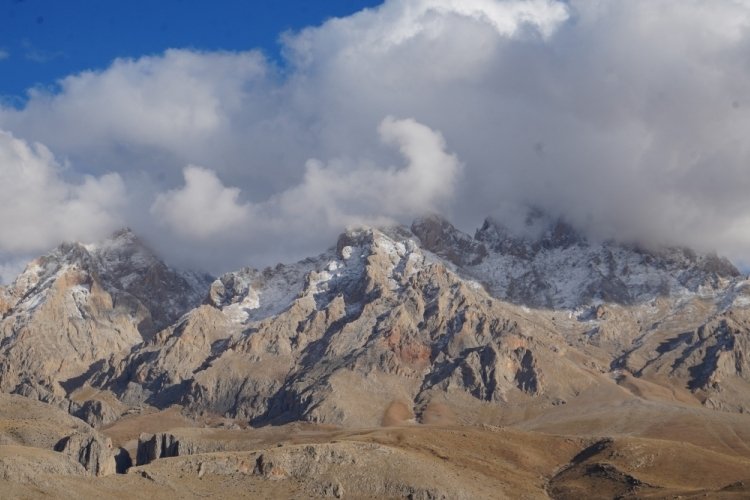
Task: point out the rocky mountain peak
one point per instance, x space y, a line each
546 262
118 249
442 238
123 253
83 303
540 231
363 259
127 264
126 268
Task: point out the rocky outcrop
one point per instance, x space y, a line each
92 451
343 469
193 441
488 372
439 236
95 412
26 422
32 424
161 445
331 470
176 444
53 395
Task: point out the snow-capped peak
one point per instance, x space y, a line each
252 295
124 266
547 263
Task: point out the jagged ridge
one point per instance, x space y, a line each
551 265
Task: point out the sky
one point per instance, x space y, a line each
246 133
45 40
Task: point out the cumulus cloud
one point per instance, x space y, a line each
628 118
41 209
203 208
328 197
340 194
170 109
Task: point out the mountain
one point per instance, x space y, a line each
345 338
549 264
537 330
82 304
424 317
399 321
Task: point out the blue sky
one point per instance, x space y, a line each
44 40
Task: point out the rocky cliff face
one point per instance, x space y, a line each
94 452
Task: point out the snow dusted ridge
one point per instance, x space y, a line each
126 268
549 266
252 295
553 266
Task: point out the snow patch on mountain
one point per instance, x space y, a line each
253 295
550 265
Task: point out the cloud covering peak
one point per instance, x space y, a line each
627 118
329 196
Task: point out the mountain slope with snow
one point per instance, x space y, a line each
551 265
82 304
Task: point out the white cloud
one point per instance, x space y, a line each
396 22
4 54
326 199
627 117
173 104
40 209
340 193
203 208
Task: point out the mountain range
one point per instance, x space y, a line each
537 330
